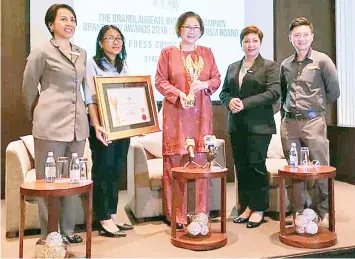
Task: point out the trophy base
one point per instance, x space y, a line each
190 100
190 103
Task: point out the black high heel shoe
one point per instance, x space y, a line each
104 232
251 224
240 220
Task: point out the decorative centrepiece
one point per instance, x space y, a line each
54 247
306 222
198 225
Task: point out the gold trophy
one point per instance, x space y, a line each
193 70
113 101
190 100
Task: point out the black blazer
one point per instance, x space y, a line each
259 91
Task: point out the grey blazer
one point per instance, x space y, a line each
57 109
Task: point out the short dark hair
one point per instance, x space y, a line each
120 58
52 14
299 21
182 19
251 29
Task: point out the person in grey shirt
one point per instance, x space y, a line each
309 81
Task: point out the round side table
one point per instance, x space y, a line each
325 237
52 191
181 239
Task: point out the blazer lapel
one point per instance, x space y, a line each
236 77
75 50
257 63
75 53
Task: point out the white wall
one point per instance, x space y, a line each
345 54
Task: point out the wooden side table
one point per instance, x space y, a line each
41 188
217 238
325 237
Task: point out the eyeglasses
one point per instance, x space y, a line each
301 35
191 28
112 39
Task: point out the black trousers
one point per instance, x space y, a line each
249 153
108 164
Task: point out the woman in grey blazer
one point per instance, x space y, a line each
51 89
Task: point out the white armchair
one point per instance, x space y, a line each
145 175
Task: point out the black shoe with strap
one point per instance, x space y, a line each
240 220
178 225
104 232
252 224
74 239
124 226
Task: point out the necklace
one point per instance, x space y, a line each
193 66
245 67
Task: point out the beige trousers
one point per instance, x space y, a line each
311 133
67 204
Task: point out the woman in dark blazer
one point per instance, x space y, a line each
250 89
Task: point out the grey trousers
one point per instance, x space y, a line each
311 133
67 204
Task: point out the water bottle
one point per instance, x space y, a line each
74 169
293 155
50 168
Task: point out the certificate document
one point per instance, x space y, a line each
128 106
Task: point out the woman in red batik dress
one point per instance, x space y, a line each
185 71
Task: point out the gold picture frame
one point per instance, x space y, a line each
126 106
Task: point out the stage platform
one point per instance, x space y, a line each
152 239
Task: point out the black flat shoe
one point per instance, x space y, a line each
72 239
251 224
105 232
178 225
124 226
240 220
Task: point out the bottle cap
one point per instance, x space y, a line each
293 144
50 153
74 154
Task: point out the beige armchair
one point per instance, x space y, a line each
145 173
19 168
274 161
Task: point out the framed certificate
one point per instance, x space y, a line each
126 106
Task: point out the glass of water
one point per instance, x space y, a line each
62 168
304 157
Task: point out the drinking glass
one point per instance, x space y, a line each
316 163
62 167
304 157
